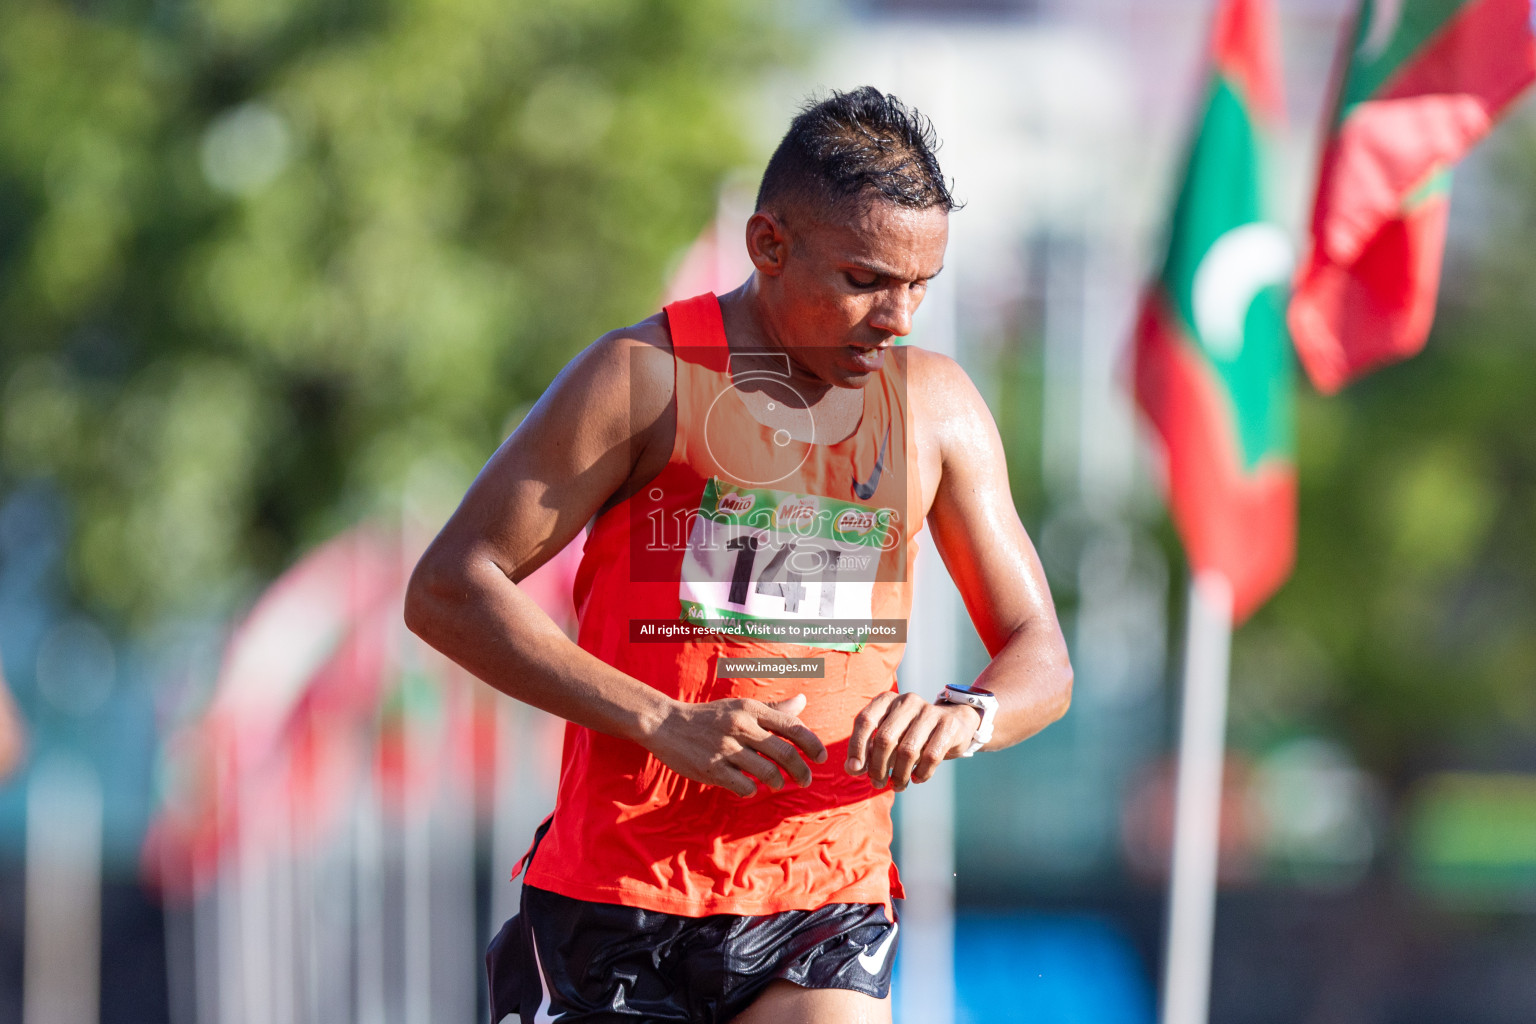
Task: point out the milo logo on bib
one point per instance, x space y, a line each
855 521
758 554
797 511
735 504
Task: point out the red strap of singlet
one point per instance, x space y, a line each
699 331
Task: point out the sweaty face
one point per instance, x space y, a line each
849 283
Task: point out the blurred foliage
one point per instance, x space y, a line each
261 261
1410 622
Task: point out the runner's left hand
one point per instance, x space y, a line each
900 738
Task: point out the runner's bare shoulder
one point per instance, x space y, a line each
607 421
616 388
642 355
943 396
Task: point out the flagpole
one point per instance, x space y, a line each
1197 807
368 878
205 944
925 978
283 932
61 961
417 826
453 907
180 937
228 886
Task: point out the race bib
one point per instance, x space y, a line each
775 566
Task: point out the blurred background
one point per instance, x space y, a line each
276 276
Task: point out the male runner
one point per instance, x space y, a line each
720 845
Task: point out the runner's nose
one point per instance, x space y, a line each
893 311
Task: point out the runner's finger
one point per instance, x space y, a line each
797 732
760 768
790 706
728 777
909 749
863 727
940 741
786 756
882 745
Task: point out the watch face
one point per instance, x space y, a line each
973 690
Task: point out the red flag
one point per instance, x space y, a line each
1213 370
1423 82
314 687
315 645
717 261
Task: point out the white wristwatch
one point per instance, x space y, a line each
985 704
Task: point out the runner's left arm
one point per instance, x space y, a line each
902 738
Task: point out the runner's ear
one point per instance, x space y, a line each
767 243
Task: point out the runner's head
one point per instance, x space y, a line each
855 145
851 223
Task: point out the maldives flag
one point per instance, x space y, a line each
1423 81
1213 370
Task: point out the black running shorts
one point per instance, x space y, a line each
575 961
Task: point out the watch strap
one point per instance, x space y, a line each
986 707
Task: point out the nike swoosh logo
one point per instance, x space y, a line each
541 1015
865 491
874 962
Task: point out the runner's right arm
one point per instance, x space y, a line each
603 429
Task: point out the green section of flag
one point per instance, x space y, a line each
1224 190
1436 185
1378 53
1219 192
1262 380
415 695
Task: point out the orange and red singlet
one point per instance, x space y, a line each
754 536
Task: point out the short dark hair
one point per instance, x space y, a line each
853 143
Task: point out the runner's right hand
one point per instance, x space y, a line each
730 742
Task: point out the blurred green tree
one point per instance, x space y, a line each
261 262
1410 622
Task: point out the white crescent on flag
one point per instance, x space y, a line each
1386 15
1237 266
